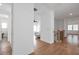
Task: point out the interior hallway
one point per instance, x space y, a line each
60 48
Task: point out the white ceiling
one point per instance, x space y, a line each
62 10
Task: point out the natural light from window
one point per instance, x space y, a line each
69 27
4 25
73 27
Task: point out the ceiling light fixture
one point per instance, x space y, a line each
70 13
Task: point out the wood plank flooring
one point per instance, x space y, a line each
43 48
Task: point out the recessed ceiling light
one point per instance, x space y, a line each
70 13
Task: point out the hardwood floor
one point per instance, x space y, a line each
62 48
5 48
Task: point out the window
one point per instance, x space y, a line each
4 25
73 27
69 27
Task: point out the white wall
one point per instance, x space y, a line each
22 28
47 23
10 23
52 26
59 23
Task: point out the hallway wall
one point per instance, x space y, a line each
47 23
22 28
